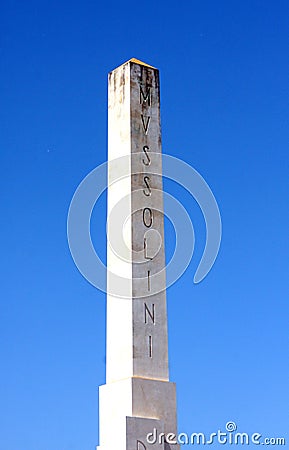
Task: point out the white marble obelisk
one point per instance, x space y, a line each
137 398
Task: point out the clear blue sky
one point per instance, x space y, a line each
225 109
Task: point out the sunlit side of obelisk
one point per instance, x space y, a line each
137 397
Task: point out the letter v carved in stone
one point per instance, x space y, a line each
145 123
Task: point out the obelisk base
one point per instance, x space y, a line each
137 414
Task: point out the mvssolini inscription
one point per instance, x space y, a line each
145 100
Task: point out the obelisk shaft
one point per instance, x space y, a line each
137 397
137 325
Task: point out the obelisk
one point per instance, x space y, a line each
138 397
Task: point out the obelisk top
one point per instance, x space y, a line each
137 61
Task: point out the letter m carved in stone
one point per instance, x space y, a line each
145 97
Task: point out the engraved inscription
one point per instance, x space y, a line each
150 346
149 280
140 445
145 249
145 100
147 159
147 190
149 313
145 123
147 217
145 97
